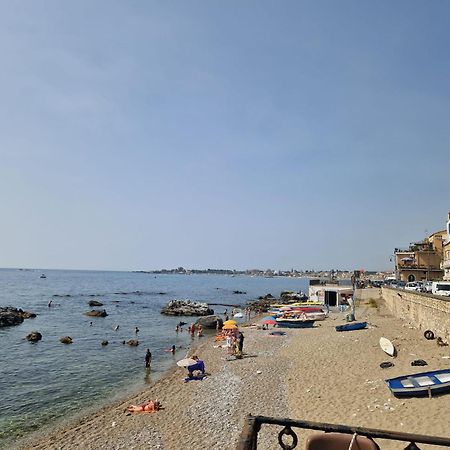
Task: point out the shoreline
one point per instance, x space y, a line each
120 399
312 374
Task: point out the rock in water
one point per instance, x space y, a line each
10 316
186 308
133 342
66 340
96 313
210 321
34 336
93 303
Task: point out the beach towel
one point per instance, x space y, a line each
195 378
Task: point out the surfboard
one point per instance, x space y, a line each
387 346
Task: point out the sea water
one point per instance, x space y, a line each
45 382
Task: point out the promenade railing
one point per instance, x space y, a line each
288 439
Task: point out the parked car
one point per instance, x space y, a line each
414 286
427 285
398 284
441 288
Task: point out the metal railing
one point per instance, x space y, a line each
249 435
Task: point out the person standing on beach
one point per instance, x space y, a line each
148 359
240 342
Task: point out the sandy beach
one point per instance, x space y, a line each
312 374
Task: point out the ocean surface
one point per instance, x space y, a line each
46 382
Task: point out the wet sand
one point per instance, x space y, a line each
312 374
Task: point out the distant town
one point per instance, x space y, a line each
426 260
332 275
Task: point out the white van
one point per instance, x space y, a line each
441 288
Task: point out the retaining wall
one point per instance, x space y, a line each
424 311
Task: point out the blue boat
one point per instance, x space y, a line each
421 384
352 326
294 323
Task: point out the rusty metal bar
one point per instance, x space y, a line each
248 439
249 435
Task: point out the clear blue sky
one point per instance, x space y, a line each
148 134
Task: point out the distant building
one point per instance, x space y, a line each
422 260
446 252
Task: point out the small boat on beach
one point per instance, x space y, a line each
294 322
352 326
387 346
421 384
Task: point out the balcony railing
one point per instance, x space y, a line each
288 440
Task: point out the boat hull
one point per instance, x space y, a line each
293 323
422 384
352 326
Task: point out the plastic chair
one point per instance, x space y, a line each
339 441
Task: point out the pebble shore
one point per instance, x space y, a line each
312 374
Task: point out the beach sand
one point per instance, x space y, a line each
313 374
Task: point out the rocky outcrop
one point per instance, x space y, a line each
186 308
66 340
289 297
34 336
263 303
96 313
10 316
210 322
95 303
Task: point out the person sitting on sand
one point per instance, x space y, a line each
150 406
199 365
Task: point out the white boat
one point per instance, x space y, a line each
387 346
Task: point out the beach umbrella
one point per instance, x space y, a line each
270 321
229 326
186 362
230 322
267 318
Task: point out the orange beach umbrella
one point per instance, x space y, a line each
229 326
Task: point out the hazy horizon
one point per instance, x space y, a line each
149 135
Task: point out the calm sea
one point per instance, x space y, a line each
43 383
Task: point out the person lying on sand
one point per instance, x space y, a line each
150 406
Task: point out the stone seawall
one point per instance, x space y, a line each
423 311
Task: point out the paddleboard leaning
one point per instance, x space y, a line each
387 346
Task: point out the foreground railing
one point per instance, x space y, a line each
249 435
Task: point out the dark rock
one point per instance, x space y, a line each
186 308
133 342
66 340
96 313
34 336
289 297
210 321
10 316
95 303
105 343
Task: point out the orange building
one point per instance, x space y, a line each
422 260
446 252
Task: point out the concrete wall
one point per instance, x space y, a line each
423 311
368 293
